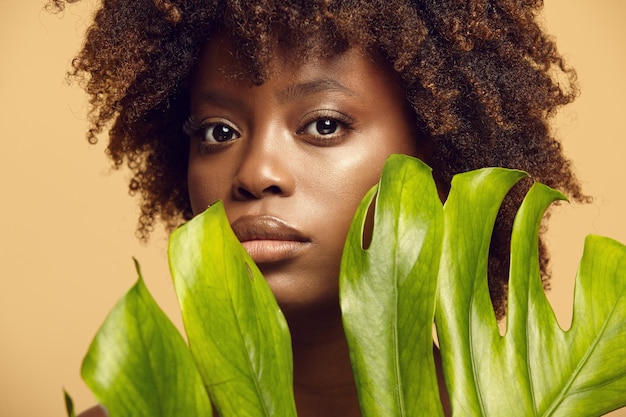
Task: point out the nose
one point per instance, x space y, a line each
264 169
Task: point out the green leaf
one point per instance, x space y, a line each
581 372
536 368
69 404
236 331
138 364
388 293
466 323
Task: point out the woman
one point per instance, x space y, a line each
286 112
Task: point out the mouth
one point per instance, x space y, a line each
268 239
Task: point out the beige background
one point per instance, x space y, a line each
67 224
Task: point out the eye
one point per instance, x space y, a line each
325 127
218 133
209 132
322 127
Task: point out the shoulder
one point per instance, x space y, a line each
96 411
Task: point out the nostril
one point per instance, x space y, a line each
258 179
273 189
245 194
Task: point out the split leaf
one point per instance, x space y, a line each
388 293
536 368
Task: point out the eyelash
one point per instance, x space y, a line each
344 123
201 131
339 121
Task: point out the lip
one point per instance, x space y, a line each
268 239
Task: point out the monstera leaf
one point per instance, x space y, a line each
536 368
388 293
424 261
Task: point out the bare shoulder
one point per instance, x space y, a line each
96 411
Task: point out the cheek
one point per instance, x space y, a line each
374 155
362 170
206 184
346 181
197 191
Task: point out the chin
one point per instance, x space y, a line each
299 299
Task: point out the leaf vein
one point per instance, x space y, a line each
240 332
581 364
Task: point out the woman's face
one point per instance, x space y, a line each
292 158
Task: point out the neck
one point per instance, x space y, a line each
323 379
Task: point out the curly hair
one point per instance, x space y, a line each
481 76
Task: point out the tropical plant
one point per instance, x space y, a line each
425 262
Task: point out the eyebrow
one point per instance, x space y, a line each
220 98
297 91
288 94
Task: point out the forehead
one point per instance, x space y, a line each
221 61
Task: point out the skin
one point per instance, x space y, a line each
291 159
